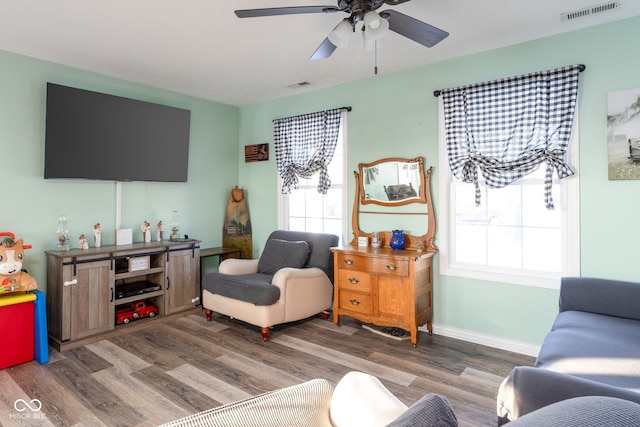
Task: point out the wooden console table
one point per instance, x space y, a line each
85 287
221 252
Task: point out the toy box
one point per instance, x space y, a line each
17 315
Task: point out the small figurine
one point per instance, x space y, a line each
82 242
97 235
12 278
146 231
159 231
63 243
175 234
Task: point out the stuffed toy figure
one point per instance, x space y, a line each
12 278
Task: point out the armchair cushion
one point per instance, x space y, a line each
254 288
280 253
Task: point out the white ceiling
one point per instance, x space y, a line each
200 48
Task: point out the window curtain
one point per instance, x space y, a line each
305 145
507 128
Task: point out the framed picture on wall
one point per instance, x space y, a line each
256 153
623 134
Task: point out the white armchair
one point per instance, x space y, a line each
292 280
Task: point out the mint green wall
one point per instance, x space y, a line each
397 115
31 204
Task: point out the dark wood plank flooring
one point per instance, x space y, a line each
145 376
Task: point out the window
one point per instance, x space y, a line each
305 209
511 237
507 139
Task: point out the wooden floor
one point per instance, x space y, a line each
145 376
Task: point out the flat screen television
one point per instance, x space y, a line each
91 135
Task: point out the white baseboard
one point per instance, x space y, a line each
488 340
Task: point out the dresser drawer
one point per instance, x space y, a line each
373 265
355 301
354 280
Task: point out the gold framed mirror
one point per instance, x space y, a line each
393 181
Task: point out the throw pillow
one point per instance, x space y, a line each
432 410
283 253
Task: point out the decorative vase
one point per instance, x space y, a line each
397 240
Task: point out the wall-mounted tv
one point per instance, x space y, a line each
91 135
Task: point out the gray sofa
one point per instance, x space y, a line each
593 349
360 399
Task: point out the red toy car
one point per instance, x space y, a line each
137 310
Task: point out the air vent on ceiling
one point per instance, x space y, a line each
298 85
587 11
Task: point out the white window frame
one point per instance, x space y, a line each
283 199
570 225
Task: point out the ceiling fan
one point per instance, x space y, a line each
374 24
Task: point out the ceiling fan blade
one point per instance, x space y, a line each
418 31
395 2
274 11
324 51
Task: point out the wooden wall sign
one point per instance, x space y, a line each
256 152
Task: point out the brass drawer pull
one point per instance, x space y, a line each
348 261
392 267
354 301
353 280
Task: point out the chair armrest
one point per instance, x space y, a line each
303 291
601 296
285 274
238 266
287 278
527 389
360 399
302 404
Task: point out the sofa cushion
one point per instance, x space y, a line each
432 410
280 253
254 288
360 399
594 346
586 411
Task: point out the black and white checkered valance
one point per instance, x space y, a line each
508 127
305 145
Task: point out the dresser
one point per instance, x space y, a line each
383 286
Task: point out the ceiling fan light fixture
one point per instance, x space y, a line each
341 33
374 26
372 19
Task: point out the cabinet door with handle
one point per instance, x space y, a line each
394 298
183 280
91 298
